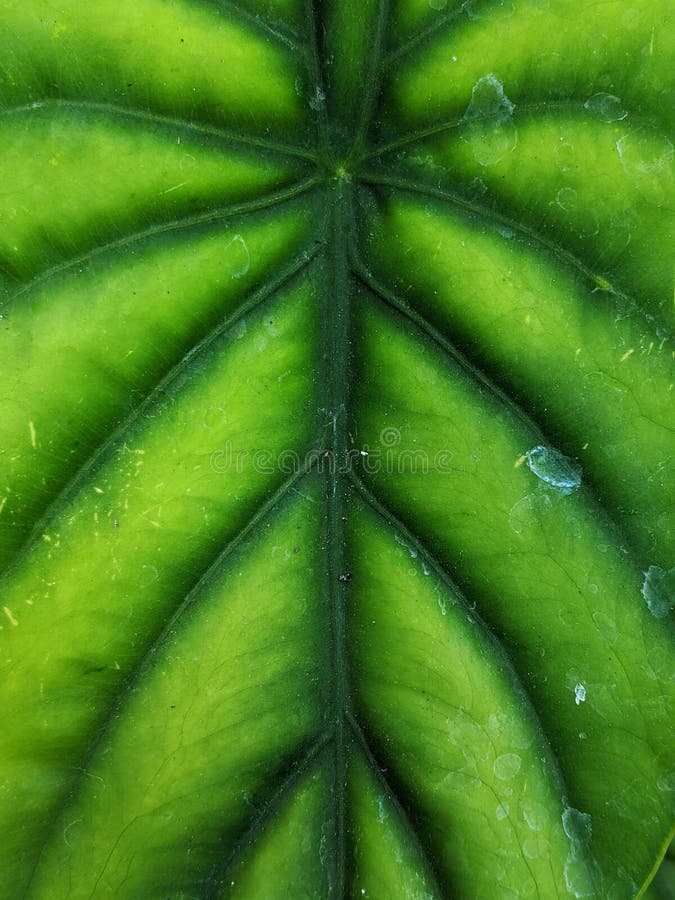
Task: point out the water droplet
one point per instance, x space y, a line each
536 816
317 100
438 4
667 783
411 550
502 811
214 417
554 468
577 825
507 766
240 330
577 878
149 574
567 199
579 693
528 513
606 107
488 101
489 127
582 218
477 188
648 160
531 849
658 589
237 257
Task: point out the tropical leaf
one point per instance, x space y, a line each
335 501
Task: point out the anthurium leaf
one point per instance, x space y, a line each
335 500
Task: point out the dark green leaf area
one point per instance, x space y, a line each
336 449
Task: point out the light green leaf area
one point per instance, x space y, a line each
336 449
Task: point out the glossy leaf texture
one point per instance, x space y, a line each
335 489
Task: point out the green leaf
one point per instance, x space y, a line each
335 490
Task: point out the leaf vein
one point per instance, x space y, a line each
492 216
272 803
136 413
372 80
282 36
153 118
127 686
378 772
521 108
175 225
476 374
550 759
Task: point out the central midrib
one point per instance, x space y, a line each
335 390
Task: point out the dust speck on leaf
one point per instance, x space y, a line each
10 617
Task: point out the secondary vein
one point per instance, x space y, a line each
71 486
175 225
146 660
154 118
373 78
493 216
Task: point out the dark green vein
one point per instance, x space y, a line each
522 109
157 119
148 656
424 35
499 649
415 137
315 76
378 772
335 393
136 414
391 299
260 23
495 218
373 78
216 879
476 375
209 216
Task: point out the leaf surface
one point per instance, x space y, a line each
335 489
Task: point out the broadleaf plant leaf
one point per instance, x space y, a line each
335 499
